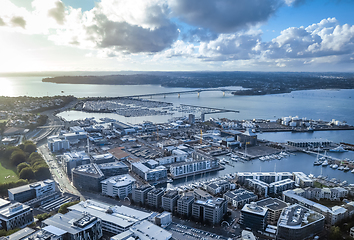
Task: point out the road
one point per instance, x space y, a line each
40 137
58 175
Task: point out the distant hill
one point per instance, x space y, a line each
257 82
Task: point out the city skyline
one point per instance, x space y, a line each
171 35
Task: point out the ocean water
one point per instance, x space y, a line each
310 104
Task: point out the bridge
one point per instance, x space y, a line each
198 91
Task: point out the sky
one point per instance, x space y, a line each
177 35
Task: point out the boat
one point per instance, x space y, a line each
325 163
346 169
352 171
317 163
343 183
334 166
338 149
341 168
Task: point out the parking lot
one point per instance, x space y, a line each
180 231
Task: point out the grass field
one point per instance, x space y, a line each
7 171
3 120
7 175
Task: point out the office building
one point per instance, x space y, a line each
297 222
254 217
191 119
115 219
184 205
74 159
31 191
103 158
14 215
201 195
76 225
274 206
139 193
238 198
144 230
149 174
118 186
56 144
211 210
154 198
169 200
163 219
87 177
113 169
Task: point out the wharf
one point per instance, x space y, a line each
197 173
289 129
219 110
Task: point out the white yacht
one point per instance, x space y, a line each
338 149
334 166
325 163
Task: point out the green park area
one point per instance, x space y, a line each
20 165
7 174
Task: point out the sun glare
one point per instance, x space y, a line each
6 88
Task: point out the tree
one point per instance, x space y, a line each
42 173
27 173
22 166
17 157
64 208
336 233
34 157
30 147
43 216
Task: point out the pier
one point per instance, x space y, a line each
323 155
210 110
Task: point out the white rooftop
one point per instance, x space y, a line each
121 215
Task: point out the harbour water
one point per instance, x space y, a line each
312 104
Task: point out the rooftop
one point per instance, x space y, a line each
12 209
272 203
66 221
148 230
112 165
297 216
91 169
291 193
31 186
118 152
254 209
170 194
120 180
119 215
